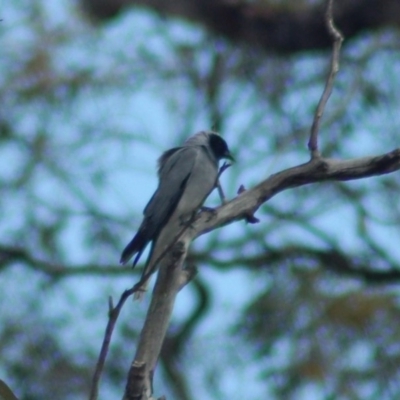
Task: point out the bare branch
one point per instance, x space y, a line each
167 286
112 319
221 193
171 277
316 170
334 68
169 282
5 392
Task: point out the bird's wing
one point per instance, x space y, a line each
175 168
174 172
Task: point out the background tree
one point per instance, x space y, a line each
304 303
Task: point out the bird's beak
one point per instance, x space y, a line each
229 156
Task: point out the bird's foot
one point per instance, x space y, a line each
212 211
208 209
187 220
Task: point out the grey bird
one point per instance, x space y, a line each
187 175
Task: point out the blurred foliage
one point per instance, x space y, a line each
85 112
326 334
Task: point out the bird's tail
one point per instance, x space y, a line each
136 245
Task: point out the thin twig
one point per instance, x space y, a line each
221 193
113 314
112 319
250 218
223 168
158 316
334 68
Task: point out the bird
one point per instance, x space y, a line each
186 176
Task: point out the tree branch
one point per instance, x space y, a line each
169 281
113 315
316 170
334 68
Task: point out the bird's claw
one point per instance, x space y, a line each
188 220
210 210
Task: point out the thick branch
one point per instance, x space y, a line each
112 319
169 282
317 170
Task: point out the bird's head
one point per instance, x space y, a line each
219 147
213 141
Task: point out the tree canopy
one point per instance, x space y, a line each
303 304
